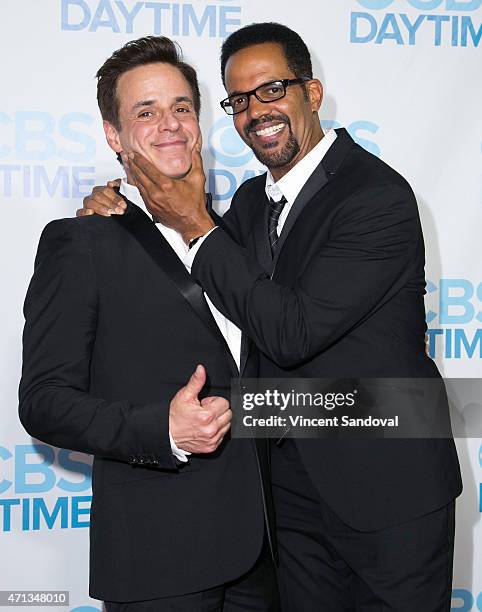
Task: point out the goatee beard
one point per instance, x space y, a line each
274 159
278 159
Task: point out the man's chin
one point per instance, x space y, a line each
174 171
178 175
273 155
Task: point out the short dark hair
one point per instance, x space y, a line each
146 50
295 50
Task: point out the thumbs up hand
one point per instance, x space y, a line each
198 426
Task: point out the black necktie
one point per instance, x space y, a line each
275 209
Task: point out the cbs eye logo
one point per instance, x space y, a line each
226 146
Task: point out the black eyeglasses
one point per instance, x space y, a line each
268 92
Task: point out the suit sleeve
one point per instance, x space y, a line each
61 315
230 221
373 239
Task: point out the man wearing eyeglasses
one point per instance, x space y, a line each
320 262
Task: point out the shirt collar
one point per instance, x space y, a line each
171 235
133 195
293 181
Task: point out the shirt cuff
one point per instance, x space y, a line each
191 254
178 452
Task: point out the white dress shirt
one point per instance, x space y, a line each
293 181
231 333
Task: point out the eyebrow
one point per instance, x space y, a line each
143 103
240 93
183 99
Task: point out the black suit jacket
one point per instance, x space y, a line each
345 300
114 327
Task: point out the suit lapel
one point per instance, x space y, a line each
245 349
156 246
262 252
316 182
262 249
318 179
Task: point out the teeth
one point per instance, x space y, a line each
270 130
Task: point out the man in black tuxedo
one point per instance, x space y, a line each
321 263
114 327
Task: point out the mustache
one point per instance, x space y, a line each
254 124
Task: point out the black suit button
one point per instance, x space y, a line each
132 460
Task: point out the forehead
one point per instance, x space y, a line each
256 64
159 82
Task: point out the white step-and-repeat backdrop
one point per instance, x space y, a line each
404 76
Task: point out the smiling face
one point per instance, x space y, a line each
157 118
281 132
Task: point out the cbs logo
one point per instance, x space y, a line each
226 146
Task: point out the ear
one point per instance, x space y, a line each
315 94
112 137
198 145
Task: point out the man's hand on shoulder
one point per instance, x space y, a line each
103 201
198 426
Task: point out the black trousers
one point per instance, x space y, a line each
255 591
325 565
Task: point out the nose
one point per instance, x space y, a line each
257 109
168 121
